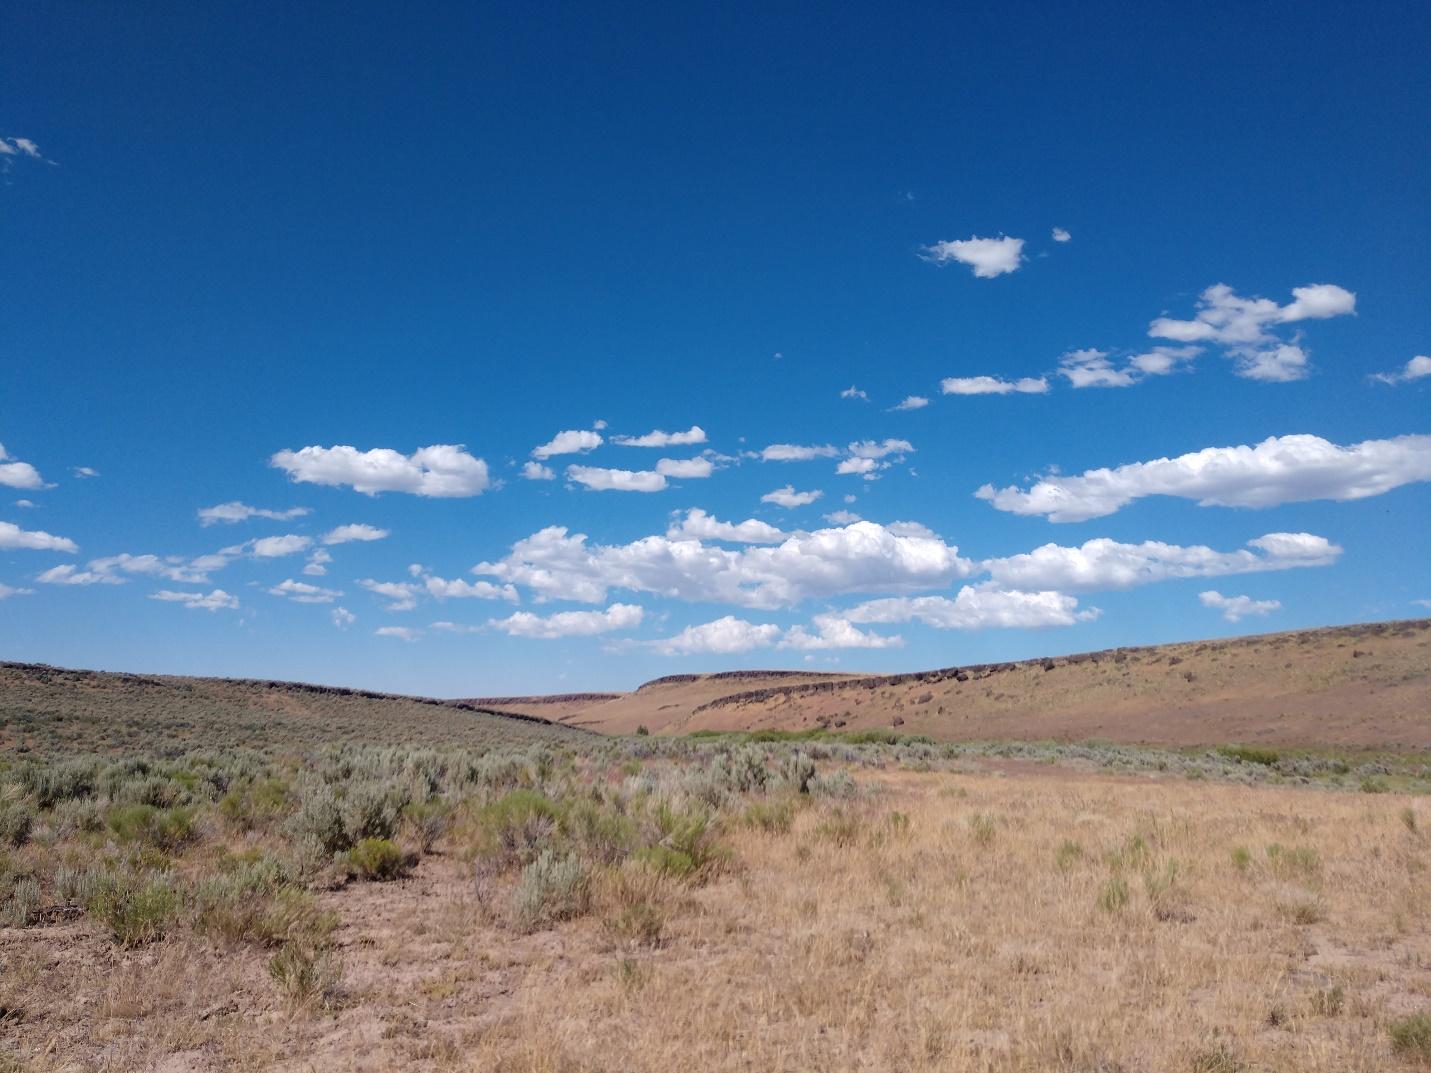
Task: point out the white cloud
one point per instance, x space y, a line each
26 503
441 471
689 468
911 402
1060 235
880 449
616 480
457 589
300 592
1415 369
867 468
835 631
1164 360
535 471
1236 608
84 472
791 452
657 438
788 498
343 618
988 257
12 536
275 547
570 623
725 636
72 575
15 474
853 392
239 512
975 608
1091 368
864 557
993 385
402 633
20 147
318 561
1244 327
7 591
698 525
1285 469
198 601
842 517
345 534
570 442
1103 564
401 595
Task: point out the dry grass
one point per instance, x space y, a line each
935 922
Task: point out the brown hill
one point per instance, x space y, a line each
1365 685
49 709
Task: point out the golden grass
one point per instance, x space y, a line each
968 935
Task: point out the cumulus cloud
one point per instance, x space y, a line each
228 513
657 438
442 471
570 623
275 547
1163 360
864 557
975 608
698 525
1285 469
12 536
911 402
1103 564
73 575
1415 369
1091 368
402 633
20 147
570 442
725 636
690 468
1236 608
792 452
788 498
988 257
14 474
535 471
346 534
342 617
401 595
111 570
616 480
842 517
198 601
1244 327
993 385
318 561
868 457
1060 235
300 592
835 631
853 392
457 589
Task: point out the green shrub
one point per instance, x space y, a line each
16 821
1069 854
1411 1036
1241 859
376 859
517 827
1375 784
554 887
371 811
772 817
306 971
1297 862
1251 754
1114 895
167 829
427 821
600 834
319 822
135 910
692 834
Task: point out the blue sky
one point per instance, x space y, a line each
356 267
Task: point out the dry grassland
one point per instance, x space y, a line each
1005 918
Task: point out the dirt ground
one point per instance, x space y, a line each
939 922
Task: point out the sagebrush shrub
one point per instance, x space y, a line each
16 822
554 887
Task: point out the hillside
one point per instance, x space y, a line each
1365 685
48 709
